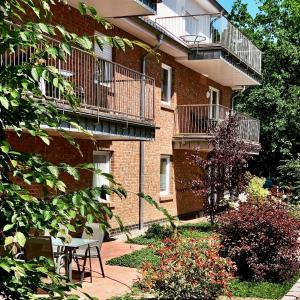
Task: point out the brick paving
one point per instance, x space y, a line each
294 293
118 280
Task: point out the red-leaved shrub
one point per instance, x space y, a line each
188 269
262 240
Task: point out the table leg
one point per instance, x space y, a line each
70 265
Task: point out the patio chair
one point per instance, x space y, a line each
91 251
42 246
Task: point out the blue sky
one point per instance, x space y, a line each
252 6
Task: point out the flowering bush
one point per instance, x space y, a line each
262 240
188 269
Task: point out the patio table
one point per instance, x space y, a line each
70 247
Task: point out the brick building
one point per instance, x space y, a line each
147 112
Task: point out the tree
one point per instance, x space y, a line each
224 170
24 109
289 177
275 30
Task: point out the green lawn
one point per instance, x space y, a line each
263 290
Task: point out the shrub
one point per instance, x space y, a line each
157 231
256 190
188 269
262 240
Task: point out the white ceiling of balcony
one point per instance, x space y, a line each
221 71
115 8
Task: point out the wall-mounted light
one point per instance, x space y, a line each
208 94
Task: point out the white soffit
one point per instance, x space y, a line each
208 6
221 71
148 37
115 8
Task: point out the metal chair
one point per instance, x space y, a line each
91 251
42 246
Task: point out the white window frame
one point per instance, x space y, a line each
211 90
168 175
169 87
107 154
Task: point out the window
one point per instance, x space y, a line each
165 167
101 162
104 73
166 84
214 103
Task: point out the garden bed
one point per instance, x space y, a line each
239 288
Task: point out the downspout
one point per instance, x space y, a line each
142 143
240 91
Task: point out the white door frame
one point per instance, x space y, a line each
214 109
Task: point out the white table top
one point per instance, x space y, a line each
74 243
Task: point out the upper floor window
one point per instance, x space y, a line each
166 84
104 71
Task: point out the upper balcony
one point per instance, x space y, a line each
196 123
120 8
216 48
116 102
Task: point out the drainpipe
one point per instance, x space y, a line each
142 143
240 91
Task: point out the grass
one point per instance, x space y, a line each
239 288
263 290
135 259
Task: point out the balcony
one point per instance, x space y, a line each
197 123
120 8
216 48
116 102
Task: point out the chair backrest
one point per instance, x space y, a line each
97 234
38 246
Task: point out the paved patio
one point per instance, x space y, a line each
118 280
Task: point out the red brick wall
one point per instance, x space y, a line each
189 87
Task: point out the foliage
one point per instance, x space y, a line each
262 240
289 177
188 269
197 230
25 110
255 189
136 259
261 290
158 231
224 170
275 30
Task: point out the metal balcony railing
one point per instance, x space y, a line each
206 30
201 120
103 87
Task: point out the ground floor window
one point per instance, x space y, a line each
165 167
101 162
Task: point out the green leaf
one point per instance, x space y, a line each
5 147
36 73
4 102
20 238
45 139
9 240
8 227
54 171
5 266
67 48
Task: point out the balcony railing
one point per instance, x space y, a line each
104 88
201 121
204 31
